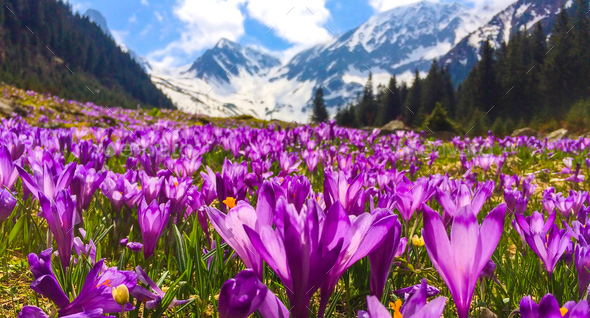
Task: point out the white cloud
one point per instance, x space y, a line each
205 22
145 3
119 36
158 16
133 18
296 22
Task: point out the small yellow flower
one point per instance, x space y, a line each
121 295
563 311
230 202
417 241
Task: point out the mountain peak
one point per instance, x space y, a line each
228 58
97 17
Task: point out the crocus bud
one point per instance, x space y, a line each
134 246
488 270
121 294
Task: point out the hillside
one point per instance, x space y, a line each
46 48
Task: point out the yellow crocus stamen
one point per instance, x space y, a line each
121 294
396 308
563 311
176 184
417 241
230 202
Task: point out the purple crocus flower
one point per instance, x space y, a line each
121 189
337 188
583 267
361 235
150 186
152 298
7 204
36 312
381 258
544 238
96 294
549 308
406 292
45 282
231 227
61 216
152 220
84 183
461 259
415 307
241 296
8 172
301 250
46 182
134 246
176 190
288 163
411 201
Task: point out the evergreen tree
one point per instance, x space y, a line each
486 87
391 106
367 109
433 90
95 58
557 82
346 117
413 101
581 49
320 114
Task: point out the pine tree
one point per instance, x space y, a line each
581 49
413 102
320 114
559 64
367 109
487 87
391 104
433 90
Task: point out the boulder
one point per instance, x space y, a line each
394 125
483 312
526 131
391 127
558 134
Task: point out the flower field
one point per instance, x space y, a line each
125 213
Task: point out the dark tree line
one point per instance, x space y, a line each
534 80
36 59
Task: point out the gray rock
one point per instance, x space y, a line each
394 125
558 134
526 131
483 312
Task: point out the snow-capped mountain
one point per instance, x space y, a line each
97 17
521 15
397 41
231 79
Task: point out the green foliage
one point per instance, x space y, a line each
498 127
390 103
367 108
347 117
320 114
103 74
439 120
578 118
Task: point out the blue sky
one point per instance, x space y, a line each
176 32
